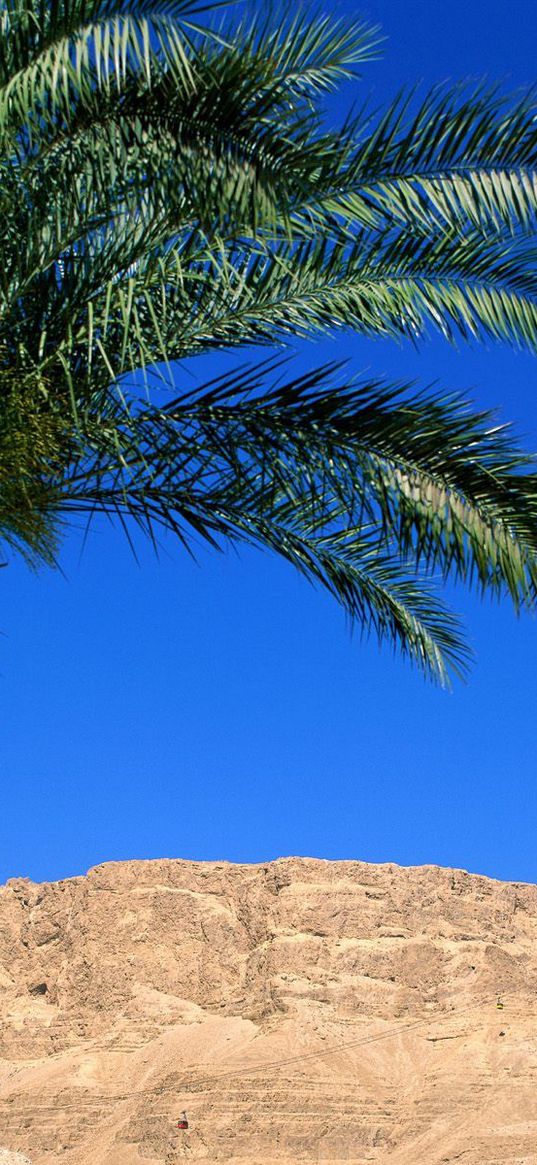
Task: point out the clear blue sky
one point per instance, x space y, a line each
222 710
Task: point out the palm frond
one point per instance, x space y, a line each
369 490
165 191
390 286
463 158
315 53
30 27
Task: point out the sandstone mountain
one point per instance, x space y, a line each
301 1011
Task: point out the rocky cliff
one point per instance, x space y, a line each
301 1011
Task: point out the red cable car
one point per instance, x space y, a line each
182 1123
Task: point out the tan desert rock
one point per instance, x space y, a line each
300 1011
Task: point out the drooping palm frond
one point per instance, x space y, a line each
463 157
165 190
366 489
104 319
385 286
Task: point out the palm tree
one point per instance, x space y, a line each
168 188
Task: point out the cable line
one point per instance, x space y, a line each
270 1065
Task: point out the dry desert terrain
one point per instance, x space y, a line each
301 1011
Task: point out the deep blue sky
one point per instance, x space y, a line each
222 710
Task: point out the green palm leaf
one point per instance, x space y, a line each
371 491
166 189
463 158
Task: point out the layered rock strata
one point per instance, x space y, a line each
301 1011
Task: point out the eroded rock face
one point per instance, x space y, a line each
301 1011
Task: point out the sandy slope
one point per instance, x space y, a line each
302 1011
